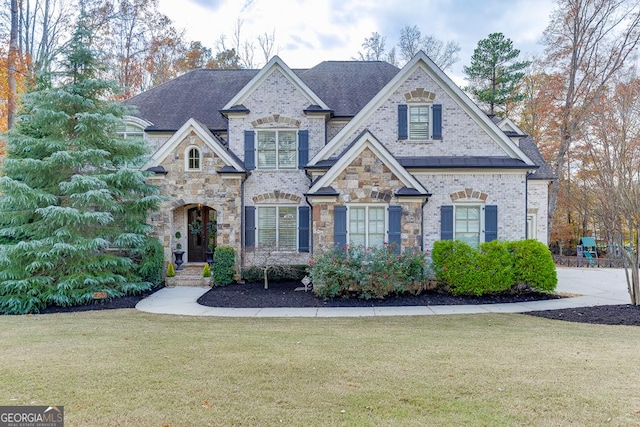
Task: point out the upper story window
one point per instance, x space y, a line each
132 128
419 122
193 160
277 149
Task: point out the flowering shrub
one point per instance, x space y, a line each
367 272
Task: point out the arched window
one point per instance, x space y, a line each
193 159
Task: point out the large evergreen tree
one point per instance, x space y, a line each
494 73
72 215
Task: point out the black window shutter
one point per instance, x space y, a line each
303 228
395 215
340 226
436 113
490 223
402 122
249 226
446 222
303 148
249 149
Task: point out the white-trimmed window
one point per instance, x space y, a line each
193 159
468 224
277 149
277 227
419 122
367 225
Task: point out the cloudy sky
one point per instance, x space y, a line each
311 31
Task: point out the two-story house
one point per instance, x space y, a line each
281 163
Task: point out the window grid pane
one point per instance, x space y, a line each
267 149
468 225
287 227
357 226
419 122
287 152
376 226
277 149
194 158
267 227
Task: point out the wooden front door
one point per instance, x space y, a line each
200 235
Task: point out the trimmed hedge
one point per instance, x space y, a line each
533 265
224 260
495 267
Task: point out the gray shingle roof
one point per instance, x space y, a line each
198 94
345 86
529 147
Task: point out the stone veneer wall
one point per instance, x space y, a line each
367 180
184 188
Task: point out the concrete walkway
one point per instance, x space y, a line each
593 286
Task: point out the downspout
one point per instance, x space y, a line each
526 205
242 247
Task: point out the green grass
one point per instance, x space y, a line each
127 368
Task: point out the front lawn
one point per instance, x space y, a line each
126 368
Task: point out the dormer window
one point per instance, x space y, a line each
193 160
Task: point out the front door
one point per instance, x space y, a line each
202 232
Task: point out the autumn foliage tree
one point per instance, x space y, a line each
588 44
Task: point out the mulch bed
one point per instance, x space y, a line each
283 294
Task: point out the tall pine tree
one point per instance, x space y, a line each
494 73
73 217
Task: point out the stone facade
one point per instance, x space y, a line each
207 187
374 177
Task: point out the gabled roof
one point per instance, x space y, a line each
364 141
343 87
206 136
274 64
422 61
198 94
347 86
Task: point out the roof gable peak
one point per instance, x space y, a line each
274 64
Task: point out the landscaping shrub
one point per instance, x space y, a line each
206 270
533 265
496 267
454 264
223 265
171 272
367 272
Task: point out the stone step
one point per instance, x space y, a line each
190 275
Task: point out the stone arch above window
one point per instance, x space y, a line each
469 193
419 94
276 119
193 158
276 196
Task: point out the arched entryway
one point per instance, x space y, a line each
202 226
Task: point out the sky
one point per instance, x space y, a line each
308 32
